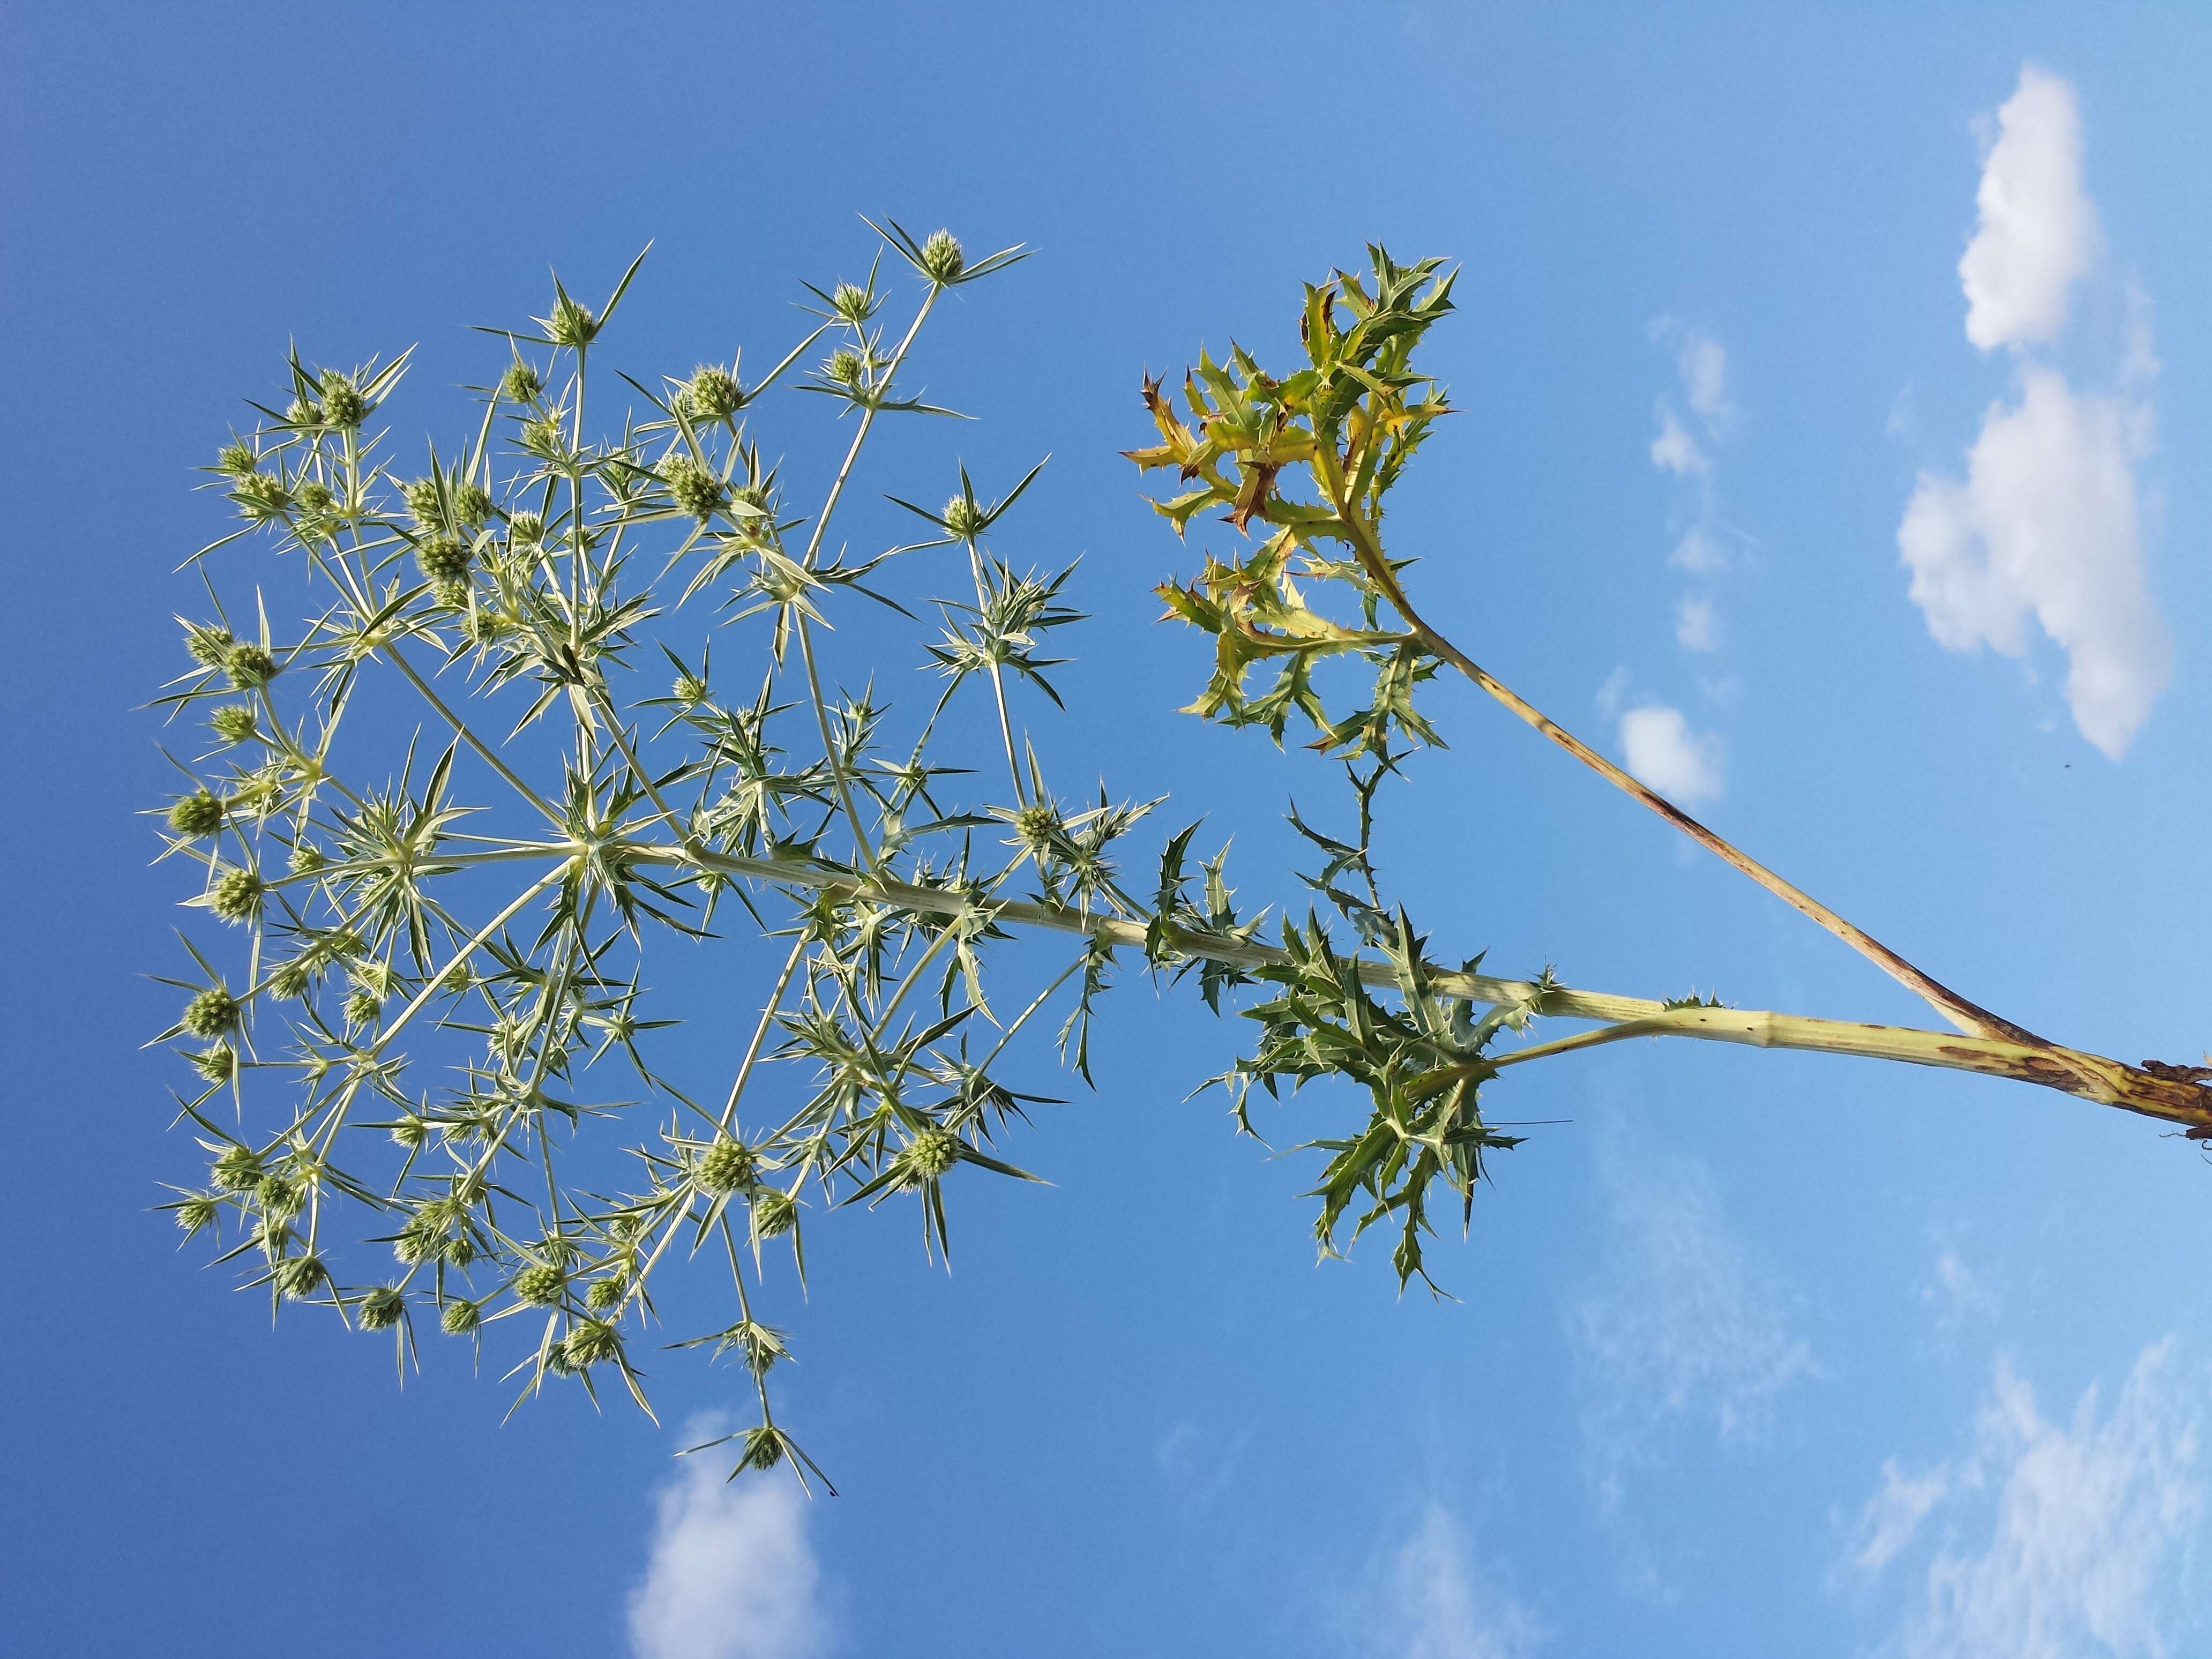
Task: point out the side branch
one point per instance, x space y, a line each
1967 1016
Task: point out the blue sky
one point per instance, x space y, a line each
1835 388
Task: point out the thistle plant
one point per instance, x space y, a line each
563 700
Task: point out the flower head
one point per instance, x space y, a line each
197 814
211 1014
343 406
943 259
248 666
714 393
236 894
724 1166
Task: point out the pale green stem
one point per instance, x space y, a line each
868 419
829 748
461 729
760 1034
2071 1070
998 681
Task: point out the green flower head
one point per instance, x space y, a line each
216 1064
362 1006
381 1308
774 1213
248 666
930 1154
520 384
590 1344
942 258
963 517
236 894
233 722
262 497
276 1196
571 323
714 393
844 368
197 814
694 488
460 1317
343 406
424 504
299 1276
724 1166
444 559
236 1170
237 460
211 1014
472 503
209 643
604 1294
540 1284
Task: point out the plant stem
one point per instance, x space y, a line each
2143 1089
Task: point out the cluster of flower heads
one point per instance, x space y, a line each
432 961
433 925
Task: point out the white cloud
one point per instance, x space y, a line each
2061 1538
1697 625
1429 1600
1683 1326
731 1574
1659 748
1675 450
2046 526
1610 694
1705 377
1893 1515
1702 362
2038 231
2046 523
1699 552
1686 448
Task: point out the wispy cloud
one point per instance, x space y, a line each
1198 1464
2053 1538
731 1574
2044 526
1684 1325
1675 450
1697 625
1693 420
1660 748
1430 1599
1893 1515
1957 1292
